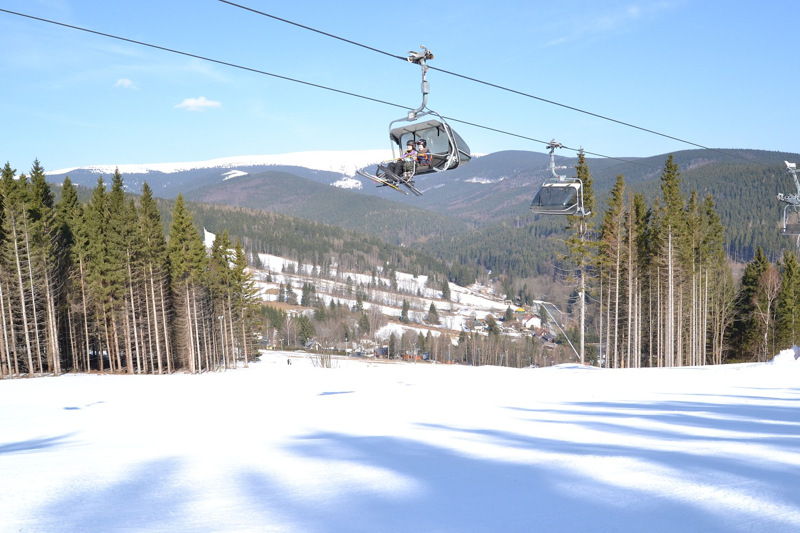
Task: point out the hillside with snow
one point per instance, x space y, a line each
344 162
466 306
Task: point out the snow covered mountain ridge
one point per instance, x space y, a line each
344 162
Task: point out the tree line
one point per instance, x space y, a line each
662 289
100 286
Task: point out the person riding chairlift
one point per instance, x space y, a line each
403 166
424 158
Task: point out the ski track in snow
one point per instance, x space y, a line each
377 446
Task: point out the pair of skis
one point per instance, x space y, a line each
393 181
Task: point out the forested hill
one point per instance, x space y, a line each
281 192
744 193
477 215
306 241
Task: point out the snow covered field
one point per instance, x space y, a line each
370 446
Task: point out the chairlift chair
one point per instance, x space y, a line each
448 150
559 195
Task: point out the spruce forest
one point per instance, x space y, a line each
96 286
102 284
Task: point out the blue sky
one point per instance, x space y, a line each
721 74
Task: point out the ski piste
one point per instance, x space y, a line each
393 184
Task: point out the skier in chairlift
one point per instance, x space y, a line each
403 166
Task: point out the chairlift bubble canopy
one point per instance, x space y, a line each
559 195
556 197
448 149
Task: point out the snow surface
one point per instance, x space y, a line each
370 446
345 162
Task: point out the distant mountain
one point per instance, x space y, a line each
469 207
285 193
169 179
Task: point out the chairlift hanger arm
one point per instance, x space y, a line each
420 58
552 145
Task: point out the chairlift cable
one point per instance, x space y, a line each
204 58
286 78
326 34
501 87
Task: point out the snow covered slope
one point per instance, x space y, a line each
366 447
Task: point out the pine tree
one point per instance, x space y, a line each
787 311
446 290
245 299
610 262
747 332
187 261
433 314
155 264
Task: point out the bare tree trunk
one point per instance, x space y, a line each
72 345
600 336
650 326
660 334
117 348
190 326
52 326
152 325
244 341
630 289
232 336
33 298
670 341
85 316
134 318
126 333
23 306
13 338
706 324
618 268
609 351
5 352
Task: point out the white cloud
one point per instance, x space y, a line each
198 104
611 20
125 83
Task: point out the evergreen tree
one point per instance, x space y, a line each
446 290
491 325
246 300
305 330
787 312
154 260
746 327
433 314
187 262
363 324
610 261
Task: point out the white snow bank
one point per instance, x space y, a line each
788 357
